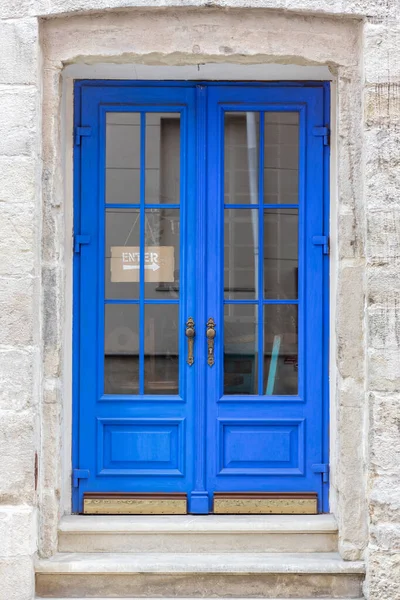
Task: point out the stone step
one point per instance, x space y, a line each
42 598
235 575
195 533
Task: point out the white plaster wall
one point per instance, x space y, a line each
360 41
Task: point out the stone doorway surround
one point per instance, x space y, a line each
184 45
48 45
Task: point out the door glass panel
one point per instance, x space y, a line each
280 349
122 158
281 157
142 167
162 158
241 154
162 253
122 250
241 253
281 253
261 258
161 349
121 349
240 349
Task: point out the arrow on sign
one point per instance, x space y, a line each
151 267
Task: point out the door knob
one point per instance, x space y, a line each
210 333
190 333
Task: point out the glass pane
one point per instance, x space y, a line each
241 253
241 157
280 349
121 349
161 349
281 253
281 156
122 158
162 235
162 158
240 349
122 253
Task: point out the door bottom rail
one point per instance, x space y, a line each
115 503
266 503
228 503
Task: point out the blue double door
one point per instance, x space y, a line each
200 300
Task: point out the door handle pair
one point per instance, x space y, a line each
210 334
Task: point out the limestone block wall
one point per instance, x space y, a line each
382 206
19 301
360 41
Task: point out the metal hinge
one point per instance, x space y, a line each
324 132
78 474
322 468
81 132
80 240
321 240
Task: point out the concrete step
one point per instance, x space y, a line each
195 533
235 575
41 598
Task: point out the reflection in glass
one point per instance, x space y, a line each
162 158
240 349
241 253
122 158
280 349
281 156
122 253
241 157
162 253
161 349
121 349
280 253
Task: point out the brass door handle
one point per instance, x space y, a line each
210 333
190 333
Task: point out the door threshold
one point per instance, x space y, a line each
324 523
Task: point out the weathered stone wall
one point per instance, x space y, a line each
362 48
20 249
382 207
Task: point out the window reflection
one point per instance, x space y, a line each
241 254
162 246
280 350
241 157
281 254
161 349
162 158
240 349
122 158
121 349
281 157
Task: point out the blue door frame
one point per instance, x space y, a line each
200 418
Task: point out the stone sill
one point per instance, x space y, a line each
131 563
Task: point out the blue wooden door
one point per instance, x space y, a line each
134 288
265 289
199 207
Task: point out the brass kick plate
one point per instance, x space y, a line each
265 503
134 504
